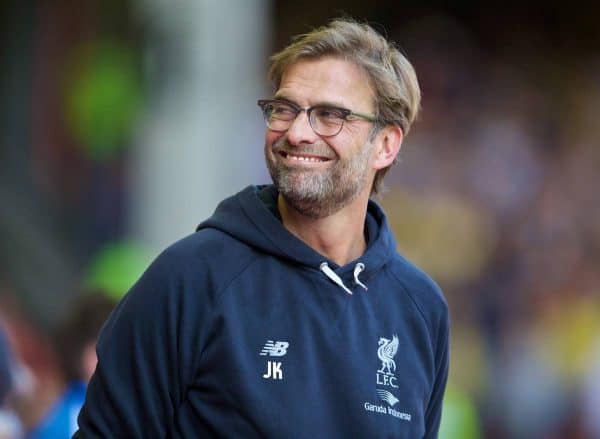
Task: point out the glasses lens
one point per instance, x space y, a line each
279 115
327 121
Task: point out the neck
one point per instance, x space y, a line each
339 237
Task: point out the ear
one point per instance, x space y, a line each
388 142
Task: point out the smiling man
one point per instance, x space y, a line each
289 313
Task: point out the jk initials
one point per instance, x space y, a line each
274 370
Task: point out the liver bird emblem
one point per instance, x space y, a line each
386 352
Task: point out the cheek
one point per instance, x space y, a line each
271 137
345 145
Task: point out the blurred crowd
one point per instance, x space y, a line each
495 196
43 376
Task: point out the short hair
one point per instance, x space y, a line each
391 76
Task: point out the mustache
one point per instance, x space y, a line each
324 151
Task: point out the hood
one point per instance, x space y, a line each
248 218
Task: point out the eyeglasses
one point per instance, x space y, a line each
325 120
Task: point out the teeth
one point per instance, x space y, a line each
304 159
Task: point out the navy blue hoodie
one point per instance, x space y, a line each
242 330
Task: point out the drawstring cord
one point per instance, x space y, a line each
357 270
336 279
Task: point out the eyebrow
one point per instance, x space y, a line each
283 97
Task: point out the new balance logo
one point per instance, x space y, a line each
275 349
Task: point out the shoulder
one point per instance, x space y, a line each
206 255
205 245
422 290
188 277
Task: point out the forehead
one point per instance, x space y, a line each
327 80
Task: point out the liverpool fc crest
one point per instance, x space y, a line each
386 352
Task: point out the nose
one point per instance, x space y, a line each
300 131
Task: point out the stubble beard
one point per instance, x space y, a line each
320 193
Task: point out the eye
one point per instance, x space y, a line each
281 111
328 113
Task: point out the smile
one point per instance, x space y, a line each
303 158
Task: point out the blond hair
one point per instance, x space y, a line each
391 76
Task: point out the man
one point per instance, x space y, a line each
74 341
6 379
10 426
289 313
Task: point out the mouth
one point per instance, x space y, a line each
302 158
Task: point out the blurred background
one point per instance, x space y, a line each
125 122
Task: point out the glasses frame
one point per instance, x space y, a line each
347 114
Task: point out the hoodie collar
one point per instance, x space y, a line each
251 216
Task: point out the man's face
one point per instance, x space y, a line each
320 175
